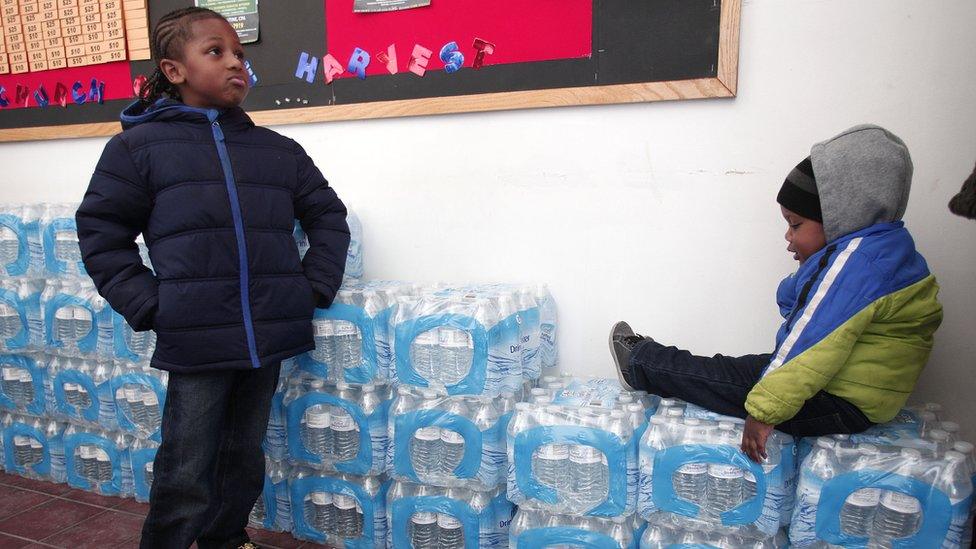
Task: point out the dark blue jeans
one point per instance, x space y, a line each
209 469
722 383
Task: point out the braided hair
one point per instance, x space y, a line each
171 33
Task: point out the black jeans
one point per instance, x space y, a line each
209 469
722 383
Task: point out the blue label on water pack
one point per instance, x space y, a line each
140 458
935 507
17 429
621 461
54 265
111 487
406 425
19 266
147 380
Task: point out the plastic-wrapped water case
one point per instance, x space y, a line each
129 344
664 533
548 350
21 327
354 255
338 427
140 396
447 518
532 529
94 459
22 383
448 440
465 341
272 510
275 442
59 237
694 469
142 453
883 496
20 246
81 391
33 447
352 336
574 450
77 321
344 511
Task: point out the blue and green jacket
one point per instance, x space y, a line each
860 315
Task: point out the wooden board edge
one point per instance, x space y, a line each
728 45
701 88
96 129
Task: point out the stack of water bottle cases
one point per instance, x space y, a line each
433 416
78 401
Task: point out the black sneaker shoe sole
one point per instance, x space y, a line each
620 352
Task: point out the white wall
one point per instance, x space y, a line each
660 214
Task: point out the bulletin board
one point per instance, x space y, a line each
322 60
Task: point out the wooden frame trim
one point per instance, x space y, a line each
725 84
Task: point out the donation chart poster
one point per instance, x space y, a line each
241 14
371 6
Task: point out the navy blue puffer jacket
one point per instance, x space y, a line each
216 198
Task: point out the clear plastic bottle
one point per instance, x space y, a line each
899 515
55 444
724 485
150 406
345 430
857 514
320 512
317 430
452 443
101 375
278 473
324 352
425 448
450 531
952 428
423 349
621 532
10 324
455 355
423 528
955 480
347 518
349 346
940 440
11 383
9 246
691 479
550 462
588 473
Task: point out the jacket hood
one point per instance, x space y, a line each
864 176
166 109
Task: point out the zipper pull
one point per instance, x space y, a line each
218 133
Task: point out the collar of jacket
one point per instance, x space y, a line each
812 262
170 110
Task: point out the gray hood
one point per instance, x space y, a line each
863 177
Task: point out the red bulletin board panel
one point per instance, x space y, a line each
116 76
522 30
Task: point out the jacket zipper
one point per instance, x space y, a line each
235 208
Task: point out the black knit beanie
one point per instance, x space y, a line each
799 192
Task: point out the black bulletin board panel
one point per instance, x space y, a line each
642 50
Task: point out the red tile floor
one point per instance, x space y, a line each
43 514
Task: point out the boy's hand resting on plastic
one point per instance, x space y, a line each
754 437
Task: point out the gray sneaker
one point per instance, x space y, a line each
623 340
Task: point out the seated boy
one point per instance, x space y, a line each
860 310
